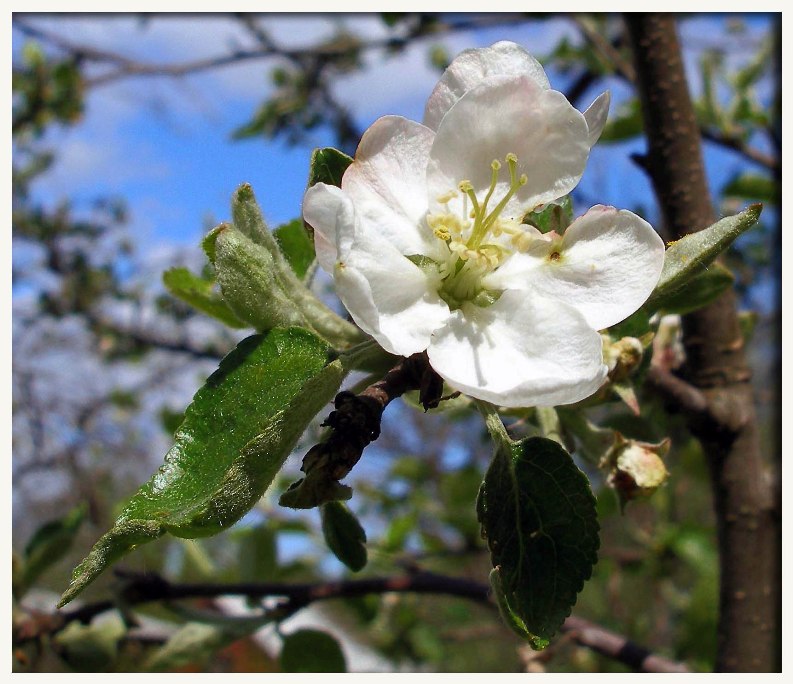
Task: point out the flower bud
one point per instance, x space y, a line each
636 468
622 357
668 352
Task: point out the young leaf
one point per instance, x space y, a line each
236 435
327 166
261 289
198 293
47 546
556 216
538 516
691 254
309 650
700 291
296 246
247 217
343 534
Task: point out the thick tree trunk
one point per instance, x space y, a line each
749 527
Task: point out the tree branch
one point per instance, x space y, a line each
748 530
148 588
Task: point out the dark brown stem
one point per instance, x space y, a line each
748 529
355 423
141 589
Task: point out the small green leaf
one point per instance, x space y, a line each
195 643
297 247
247 217
258 559
691 254
236 435
90 648
199 294
700 291
538 516
636 325
343 534
752 186
309 650
47 546
625 124
555 216
327 166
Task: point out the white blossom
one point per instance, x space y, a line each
428 250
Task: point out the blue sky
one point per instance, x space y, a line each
164 144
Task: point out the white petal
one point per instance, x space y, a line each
510 115
609 262
596 115
471 67
521 351
388 296
330 213
387 183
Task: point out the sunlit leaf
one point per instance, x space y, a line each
199 294
690 255
297 247
239 429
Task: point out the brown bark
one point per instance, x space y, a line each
748 525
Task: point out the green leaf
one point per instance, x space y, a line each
236 435
258 557
690 255
297 247
247 217
309 650
47 546
327 166
636 325
343 534
199 294
700 291
195 643
625 124
538 515
90 648
752 186
555 216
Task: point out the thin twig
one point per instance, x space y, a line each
150 588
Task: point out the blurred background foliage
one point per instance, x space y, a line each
85 438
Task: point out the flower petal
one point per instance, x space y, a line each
332 216
471 67
387 183
608 263
596 115
510 115
521 351
388 296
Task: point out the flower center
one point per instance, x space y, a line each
478 238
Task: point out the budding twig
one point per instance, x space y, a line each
354 424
